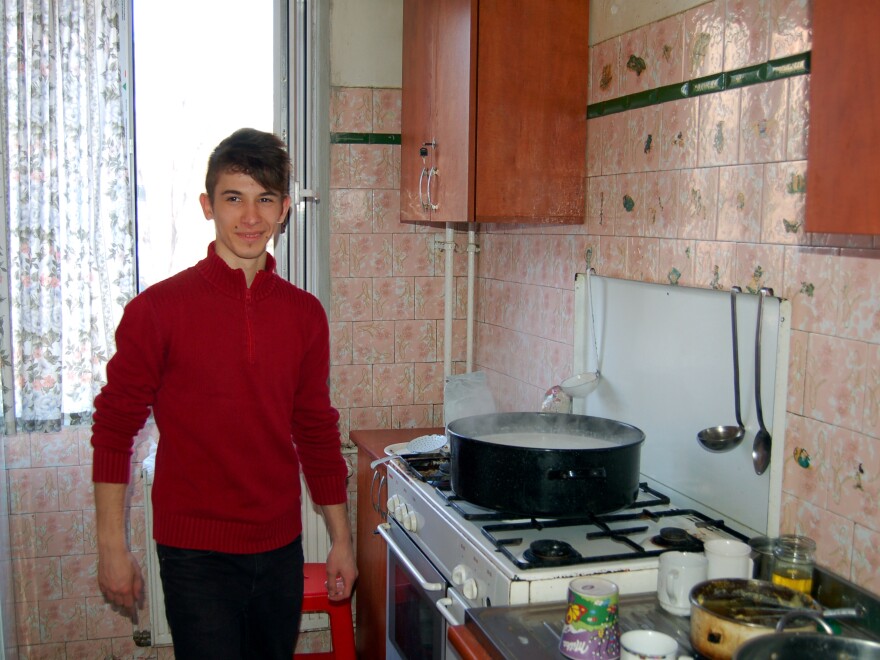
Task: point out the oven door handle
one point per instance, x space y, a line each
443 607
423 583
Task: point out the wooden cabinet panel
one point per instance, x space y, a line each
371 559
842 174
503 104
370 547
453 113
531 118
420 25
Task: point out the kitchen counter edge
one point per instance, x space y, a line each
374 441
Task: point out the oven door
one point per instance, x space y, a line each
419 602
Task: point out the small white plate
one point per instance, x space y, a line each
400 447
395 449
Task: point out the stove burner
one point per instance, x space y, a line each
550 551
677 538
432 468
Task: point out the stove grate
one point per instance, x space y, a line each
601 530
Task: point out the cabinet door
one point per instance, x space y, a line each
842 175
452 187
532 78
419 31
499 90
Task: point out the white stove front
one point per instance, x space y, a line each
485 576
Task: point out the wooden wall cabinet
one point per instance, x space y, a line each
493 117
843 173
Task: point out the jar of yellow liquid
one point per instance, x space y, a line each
793 562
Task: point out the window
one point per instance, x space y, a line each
67 148
198 77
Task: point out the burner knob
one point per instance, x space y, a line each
470 589
393 502
459 574
410 522
401 511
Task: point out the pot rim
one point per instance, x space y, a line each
627 435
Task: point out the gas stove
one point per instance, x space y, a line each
498 560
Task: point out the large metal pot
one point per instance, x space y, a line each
725 614
807 646
545 465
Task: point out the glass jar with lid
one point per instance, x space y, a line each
793 562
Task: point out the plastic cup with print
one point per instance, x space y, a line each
728 559
677 574
647 645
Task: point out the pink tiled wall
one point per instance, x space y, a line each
59 610
718 199
386 314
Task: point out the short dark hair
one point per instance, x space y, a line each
262 156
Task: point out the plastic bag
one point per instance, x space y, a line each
557 401
465 395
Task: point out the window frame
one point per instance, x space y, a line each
303 121
301 118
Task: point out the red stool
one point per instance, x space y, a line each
341 627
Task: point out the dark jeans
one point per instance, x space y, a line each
230 607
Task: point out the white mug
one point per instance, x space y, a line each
647 645
676 576
728 559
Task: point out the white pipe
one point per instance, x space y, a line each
472 252
448 293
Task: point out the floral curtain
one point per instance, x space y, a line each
68 219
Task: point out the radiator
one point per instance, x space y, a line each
316 545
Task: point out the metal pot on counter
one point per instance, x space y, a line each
725 614
808 645
545 465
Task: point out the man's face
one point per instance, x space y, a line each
246 216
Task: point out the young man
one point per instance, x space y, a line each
233 361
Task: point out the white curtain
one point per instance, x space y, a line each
68 207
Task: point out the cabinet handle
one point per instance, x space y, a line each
431 174
422 202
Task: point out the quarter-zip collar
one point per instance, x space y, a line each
232 282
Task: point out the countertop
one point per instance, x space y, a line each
532 632
374 441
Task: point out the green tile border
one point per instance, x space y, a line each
365 138
785 67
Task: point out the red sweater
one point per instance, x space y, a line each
237 379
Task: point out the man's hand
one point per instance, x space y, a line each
119 574
120 578
341 566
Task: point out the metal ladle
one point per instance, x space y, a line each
580 385
719 439
763 441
